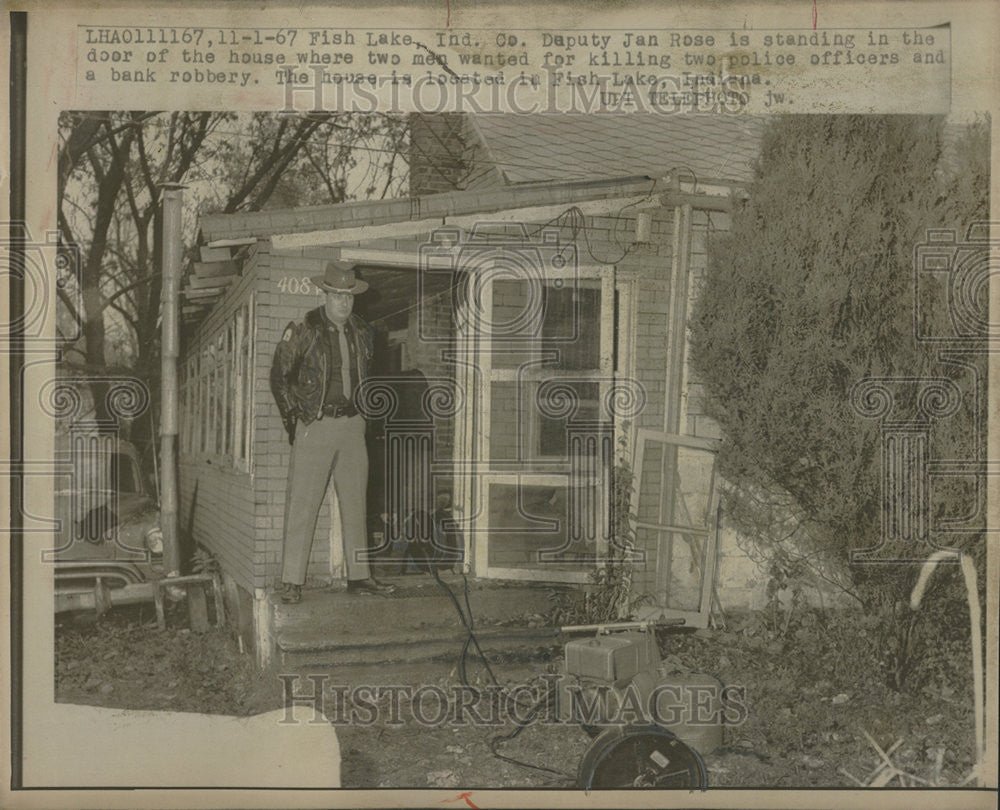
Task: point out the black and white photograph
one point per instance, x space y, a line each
623 439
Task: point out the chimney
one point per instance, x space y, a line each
440 159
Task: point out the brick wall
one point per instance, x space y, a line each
446 155
438 160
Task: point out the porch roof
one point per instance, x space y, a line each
248 225
309 231
546 147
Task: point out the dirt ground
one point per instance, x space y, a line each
811 700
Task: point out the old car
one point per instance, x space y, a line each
109 545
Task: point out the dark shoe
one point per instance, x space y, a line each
369 586
291 594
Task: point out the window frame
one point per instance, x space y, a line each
216 393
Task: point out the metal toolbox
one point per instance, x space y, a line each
612 657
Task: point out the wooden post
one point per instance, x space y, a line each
171 201
673 406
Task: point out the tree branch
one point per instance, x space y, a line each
323 173
68 303
128 288
130 319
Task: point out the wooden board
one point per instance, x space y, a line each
214 254
190 294
197 607
197 283
213 269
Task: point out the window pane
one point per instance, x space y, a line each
219 382
204 412
572 325
672 574
515 324
532 526
552 430
505 422
247 401
248 389
182 419
227 374
559 318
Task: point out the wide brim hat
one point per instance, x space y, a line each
340 277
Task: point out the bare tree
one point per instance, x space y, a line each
111 167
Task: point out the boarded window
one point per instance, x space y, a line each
216 394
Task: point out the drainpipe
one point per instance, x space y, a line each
171 200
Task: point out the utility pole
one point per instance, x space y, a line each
171 201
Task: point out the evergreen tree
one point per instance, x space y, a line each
811 292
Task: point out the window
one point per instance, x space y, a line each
219 391
203 411
210 361
216 393
569 325
242 392
124 471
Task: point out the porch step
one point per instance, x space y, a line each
311 648
417 623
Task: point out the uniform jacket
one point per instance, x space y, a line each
300 376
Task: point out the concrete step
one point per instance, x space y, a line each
306 648
417 623
413 605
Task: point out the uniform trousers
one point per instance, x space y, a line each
328 446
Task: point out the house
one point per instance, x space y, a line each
534 288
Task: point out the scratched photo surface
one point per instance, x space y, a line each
419 414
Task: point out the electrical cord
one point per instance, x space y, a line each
471 640
521 726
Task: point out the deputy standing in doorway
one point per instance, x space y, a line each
317 367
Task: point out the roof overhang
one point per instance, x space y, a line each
290 235
712 198
534 213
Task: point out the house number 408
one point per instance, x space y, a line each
297 286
